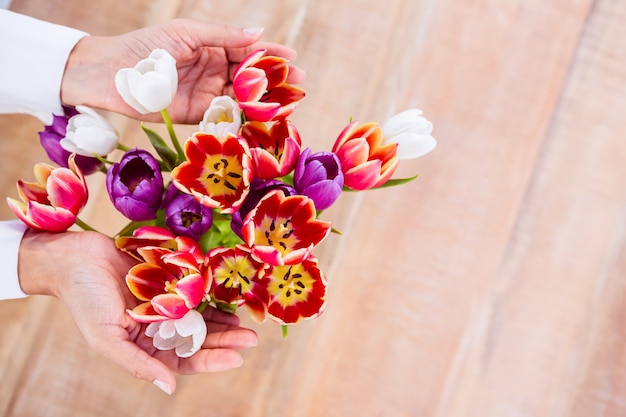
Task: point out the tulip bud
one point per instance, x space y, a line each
135 185
151 85
319 177
184 215
185 335
412 132
88 133
223 117
50 139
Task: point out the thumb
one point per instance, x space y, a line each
224 36
141 365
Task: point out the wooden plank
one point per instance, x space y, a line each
406 333
548 339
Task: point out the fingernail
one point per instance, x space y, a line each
163 386
253 31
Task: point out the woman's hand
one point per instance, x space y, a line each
206 57
86 272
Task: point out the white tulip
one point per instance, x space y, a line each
151 85
186 334
88 133
412 132
222 117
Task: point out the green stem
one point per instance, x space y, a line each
103 160
170 130
285 329
84 225
123 147
205 303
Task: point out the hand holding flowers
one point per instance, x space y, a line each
238 224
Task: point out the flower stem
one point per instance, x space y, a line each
170 130
84 225
285 329
103 160
123 147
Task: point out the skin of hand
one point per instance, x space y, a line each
86 272
206 57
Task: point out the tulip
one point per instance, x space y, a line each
258 189
235 274
365 161
155 236
412 132
260 86
222 118
185 335
319 177
50 139
88 133
53 202
169 282
217 171
275 150
135 185
151 85
185 216
283 230
295 291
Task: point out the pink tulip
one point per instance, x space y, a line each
53 202
260 86
366 161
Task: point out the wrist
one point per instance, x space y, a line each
87 79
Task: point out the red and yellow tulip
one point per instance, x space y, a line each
217 171
283 230
296 291
274 150
235 276
169 282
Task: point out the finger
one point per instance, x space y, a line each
237 55
216 316
296 75
203 34
210 360
228 337
140 364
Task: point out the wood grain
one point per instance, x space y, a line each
491 286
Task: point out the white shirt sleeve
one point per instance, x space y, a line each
11 232
34 53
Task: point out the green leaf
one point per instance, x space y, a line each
398 181
166 153
390 183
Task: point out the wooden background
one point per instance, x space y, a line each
492 286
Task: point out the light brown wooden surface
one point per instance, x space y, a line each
491 286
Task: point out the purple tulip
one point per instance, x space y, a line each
319 177
184 215
50 139
258 189
135 185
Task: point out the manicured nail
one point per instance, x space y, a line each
253 31
163 386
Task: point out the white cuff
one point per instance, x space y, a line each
34 53
11 232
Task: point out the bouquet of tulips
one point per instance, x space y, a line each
236 220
